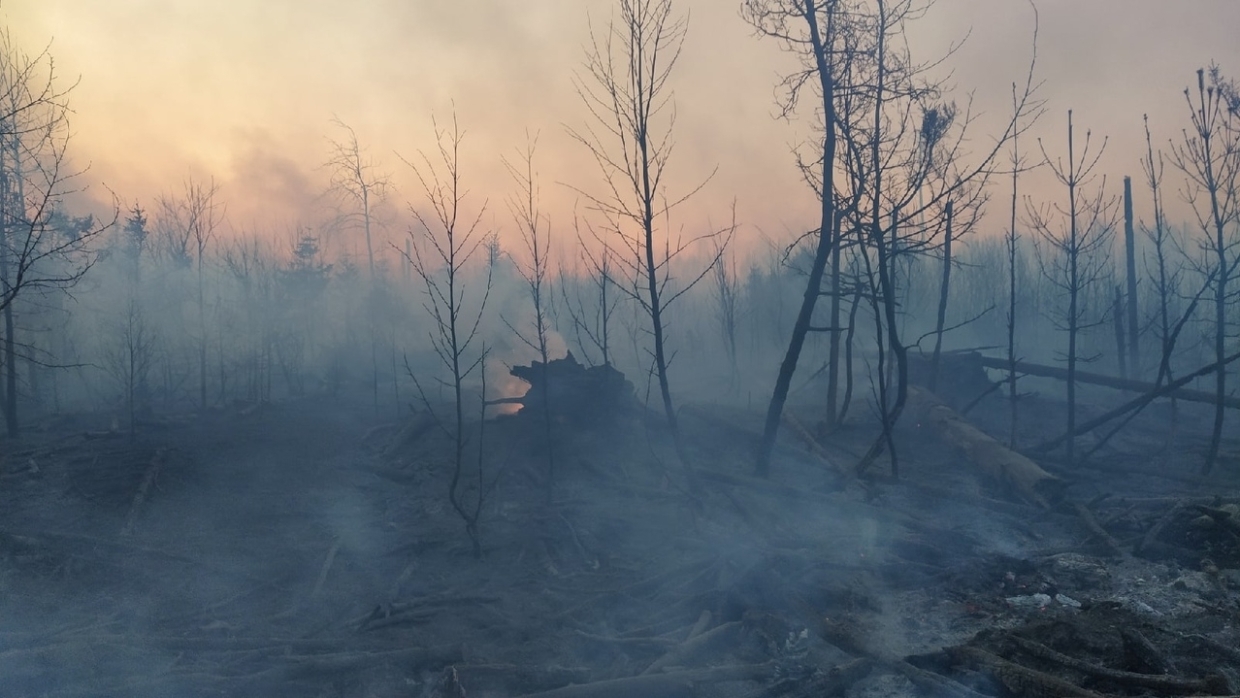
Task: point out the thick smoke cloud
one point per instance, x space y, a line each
245 91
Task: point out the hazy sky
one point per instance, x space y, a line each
244 90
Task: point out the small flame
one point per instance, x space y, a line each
501 384
508 386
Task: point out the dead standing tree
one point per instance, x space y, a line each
187 225
36 256
536 235
440 258
1011 248
905 163
591 314
726 294
130 357
818 43
356 181
885 175
626 89
1209 157
1077 234
1167 280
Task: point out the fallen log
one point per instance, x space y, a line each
931 682
1004 465
1221 517
691 649
1096 529
700 626
675 684
811 443
413 430
1137 403
1020 680
148 480
327 568
72 543
1162 683
843 632
832 682
412 659
1133 386
503 678
1141 654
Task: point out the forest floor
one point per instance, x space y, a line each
304 548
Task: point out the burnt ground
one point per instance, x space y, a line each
303 548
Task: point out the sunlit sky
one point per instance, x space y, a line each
245 90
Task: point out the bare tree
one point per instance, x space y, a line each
944 294
187 225
442 251
1166 279
1078 233
130 357
726 292
357 180
626 89
823 46
37 256
536 235
590 314
250 262
1209 156
1011 243
889 160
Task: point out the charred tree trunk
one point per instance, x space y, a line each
944 290
10 374
1130 251
833 357
1121 353
813 285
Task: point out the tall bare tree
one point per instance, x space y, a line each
536 235
1166 278
1209 156
130 357
187 223
443 249
626 87
1078 233
817 32
888 160
726 292
37 255
590 309
358 181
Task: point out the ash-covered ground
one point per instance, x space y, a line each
308 548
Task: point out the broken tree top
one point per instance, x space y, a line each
573 392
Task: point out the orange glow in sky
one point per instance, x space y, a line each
245 91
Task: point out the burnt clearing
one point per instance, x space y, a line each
300 548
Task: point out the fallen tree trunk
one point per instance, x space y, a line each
1002 464
144 489
1179 392
1019 680
675 684
832 682
1168 390
1214 684
687 651
410 659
